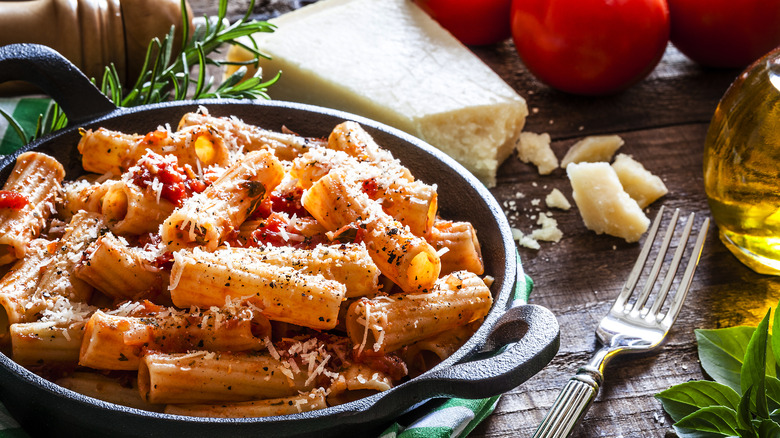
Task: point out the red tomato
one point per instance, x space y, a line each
725 33
590 47
473 22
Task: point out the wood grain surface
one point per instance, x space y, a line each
663 121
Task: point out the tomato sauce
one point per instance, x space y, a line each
370 187
12 200
178 183
270 232
289 203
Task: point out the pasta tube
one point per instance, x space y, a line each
58 278
204 279
113 342
197 146
206 218
107 389
307 401
248 137
128 209
458 246
37 177
18 287
387 323
207 377
408 260
351 138
358 381
38 343
414 203
349 264
104 151
83 194
117 270
427 353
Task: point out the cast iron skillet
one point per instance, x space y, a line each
512 345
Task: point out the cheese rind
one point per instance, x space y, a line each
638 182
389 61
604 206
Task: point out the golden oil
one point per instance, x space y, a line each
742 166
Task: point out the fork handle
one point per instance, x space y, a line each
572 404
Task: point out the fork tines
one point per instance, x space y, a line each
638 307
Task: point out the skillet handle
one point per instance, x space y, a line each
56 76
531 336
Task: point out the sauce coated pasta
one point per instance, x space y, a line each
225 270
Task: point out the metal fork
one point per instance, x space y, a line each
628 328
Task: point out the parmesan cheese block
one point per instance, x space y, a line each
592 149
638 182
604 206
535 148
389 61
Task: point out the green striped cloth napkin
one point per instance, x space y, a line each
445 418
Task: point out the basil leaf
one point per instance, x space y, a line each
747 433
686 398
775 415
768 429
721 352
682 432
753 372
773 392
745 417
776 340
713 419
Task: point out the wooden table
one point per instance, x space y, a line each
663 121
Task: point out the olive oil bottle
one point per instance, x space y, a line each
742 166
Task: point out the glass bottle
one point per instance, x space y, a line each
742 166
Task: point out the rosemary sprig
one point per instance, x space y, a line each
167 77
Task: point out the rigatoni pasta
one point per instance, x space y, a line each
383 324
118 270
225 270
408 260
33 186
206 218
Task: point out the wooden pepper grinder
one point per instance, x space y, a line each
92 33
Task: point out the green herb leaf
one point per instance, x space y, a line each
721 352
772 393
712 419
167 76
776 339
738 359
745 417
753 372
17 127
768 429
682 400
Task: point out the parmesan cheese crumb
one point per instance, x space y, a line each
549 231
525 240
593 149
535 148
556 199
